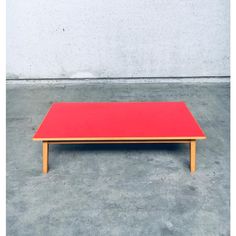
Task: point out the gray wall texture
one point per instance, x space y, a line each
108 38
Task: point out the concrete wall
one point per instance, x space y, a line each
117 38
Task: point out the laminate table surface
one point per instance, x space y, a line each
119 121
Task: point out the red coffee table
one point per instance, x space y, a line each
119 122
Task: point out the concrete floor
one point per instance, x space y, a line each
118 189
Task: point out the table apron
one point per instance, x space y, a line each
118 141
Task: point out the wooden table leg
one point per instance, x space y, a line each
192 147
45 157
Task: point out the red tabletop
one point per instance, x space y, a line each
118 120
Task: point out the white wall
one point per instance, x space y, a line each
117 38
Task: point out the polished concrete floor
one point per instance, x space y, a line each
118 189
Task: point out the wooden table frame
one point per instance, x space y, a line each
190 141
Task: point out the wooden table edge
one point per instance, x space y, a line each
121 138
